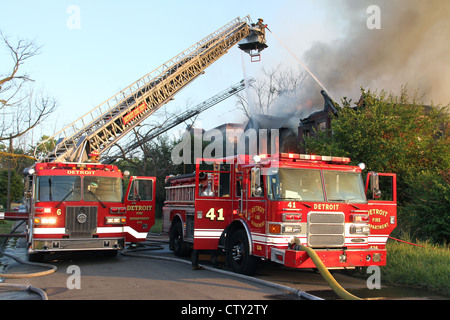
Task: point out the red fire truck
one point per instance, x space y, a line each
267 206
84 206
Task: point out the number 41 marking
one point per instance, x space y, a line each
291 205
211 215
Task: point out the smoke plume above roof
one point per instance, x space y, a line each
411 47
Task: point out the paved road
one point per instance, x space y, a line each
125 277
133 278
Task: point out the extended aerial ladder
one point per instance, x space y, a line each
102 127
176 120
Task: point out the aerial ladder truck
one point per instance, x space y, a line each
74 203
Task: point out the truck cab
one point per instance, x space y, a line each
267 206
81 206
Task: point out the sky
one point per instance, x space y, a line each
90 50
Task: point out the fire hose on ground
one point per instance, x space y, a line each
296 292
337 288
51 268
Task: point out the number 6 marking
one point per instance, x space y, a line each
211 215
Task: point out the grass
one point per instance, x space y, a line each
157 227
5 226
426 267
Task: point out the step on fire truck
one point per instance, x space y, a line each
266 207
75 205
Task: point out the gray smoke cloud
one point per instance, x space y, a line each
411 48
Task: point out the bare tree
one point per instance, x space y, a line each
21 107
263 93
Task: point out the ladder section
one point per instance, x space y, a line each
103 126
231 91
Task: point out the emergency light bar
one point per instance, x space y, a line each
296 156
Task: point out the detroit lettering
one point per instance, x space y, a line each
139 208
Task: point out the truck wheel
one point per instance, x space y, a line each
177 244
238 256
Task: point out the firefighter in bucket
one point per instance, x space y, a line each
94 157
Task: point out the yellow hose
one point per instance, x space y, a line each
27 275
341 292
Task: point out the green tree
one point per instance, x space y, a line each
155 161
389 134
16 187
398 134
425 209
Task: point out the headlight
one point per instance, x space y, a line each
115 220
359 229
45 221
291 229
284 228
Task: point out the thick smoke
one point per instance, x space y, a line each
411 48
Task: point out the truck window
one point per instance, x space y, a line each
295 184
141 190
102 188
386 185
58 188
344 186
215 182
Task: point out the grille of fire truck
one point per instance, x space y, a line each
81 222
326 229
103 126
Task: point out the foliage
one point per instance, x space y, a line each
398 134
390 134
155 162
16 187
425 209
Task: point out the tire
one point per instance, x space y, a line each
238 254
177 243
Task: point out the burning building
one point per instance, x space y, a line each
317 121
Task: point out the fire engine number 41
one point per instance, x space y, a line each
291 205
211 214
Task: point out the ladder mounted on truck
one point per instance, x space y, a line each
102 127
176 120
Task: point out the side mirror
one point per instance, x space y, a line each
375 185
256 178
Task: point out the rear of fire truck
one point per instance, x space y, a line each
74 207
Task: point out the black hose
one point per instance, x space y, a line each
51 268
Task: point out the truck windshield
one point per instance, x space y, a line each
295 184
344 186
68 188
58 188
101 189
306 185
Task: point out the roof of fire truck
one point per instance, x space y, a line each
266 159
64 168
